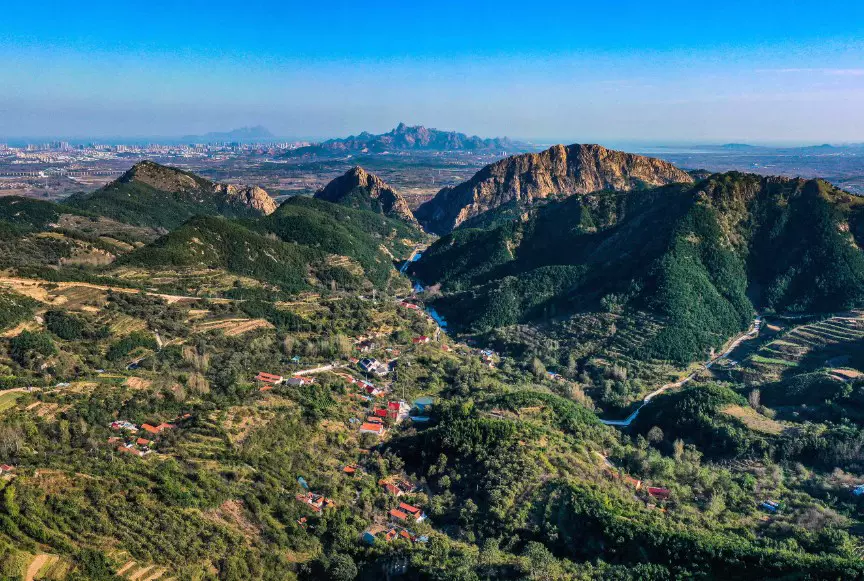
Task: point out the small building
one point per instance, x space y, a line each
412 511
6 468
124 425
661 493
144 442
398 514
369 428
350 469
268 378
299 381
316 502
420 340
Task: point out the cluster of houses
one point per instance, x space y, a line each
373 366
400 516
398 486
389 533
316 502
141 445
268 381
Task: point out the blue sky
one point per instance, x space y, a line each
716 71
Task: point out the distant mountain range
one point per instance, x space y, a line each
405 138
255 133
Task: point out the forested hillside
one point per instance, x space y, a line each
700 259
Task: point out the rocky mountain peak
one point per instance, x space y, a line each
559 171
361 189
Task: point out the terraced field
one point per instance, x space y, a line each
793 345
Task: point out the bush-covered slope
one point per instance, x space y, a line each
694 256
150 194
371 239
215 242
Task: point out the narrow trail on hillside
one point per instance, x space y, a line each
750 333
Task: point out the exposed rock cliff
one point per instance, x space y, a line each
558 171
361 189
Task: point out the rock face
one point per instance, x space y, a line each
558 171
405 138
361 189
169 179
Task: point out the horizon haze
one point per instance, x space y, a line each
679 73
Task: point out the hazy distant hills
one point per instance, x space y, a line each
405 138
256 133
154 195
559 171
361 189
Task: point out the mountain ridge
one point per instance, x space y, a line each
559 170
406 138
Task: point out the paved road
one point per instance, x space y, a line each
749 334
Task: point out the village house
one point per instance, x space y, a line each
264 377
661 493
372 365
298 381
6 469
314 501
412 512
420 340
370 428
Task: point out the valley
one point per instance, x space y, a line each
599 367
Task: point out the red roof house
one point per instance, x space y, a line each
661 493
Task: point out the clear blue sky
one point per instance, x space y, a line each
710 71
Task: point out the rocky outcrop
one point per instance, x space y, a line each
361 189
558 171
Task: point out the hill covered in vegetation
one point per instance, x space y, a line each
700 259
154 195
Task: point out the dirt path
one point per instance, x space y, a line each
36 565
23 283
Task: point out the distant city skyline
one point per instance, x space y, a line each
673 72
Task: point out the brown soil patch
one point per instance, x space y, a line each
233 327
138 383
36 565
232 514
846 374
21 327
141 573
